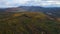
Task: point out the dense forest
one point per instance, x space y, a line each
28 23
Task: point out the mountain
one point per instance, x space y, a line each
51 11
2 10
30 20
32 8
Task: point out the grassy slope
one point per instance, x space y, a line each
27 23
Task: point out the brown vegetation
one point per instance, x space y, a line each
27 23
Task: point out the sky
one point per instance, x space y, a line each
16 3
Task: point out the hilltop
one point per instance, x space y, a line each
28 23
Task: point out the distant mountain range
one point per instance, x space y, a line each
53 11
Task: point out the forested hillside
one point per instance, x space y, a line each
28 23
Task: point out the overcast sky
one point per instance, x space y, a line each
16 3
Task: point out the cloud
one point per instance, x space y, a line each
49 3
15 3
45 3
53 3
12 3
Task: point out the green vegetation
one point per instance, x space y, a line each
28 23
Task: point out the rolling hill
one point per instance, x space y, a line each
28 23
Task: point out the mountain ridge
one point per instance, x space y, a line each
51 11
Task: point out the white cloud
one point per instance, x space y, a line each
11 3
14 3
50 3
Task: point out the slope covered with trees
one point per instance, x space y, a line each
27 23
